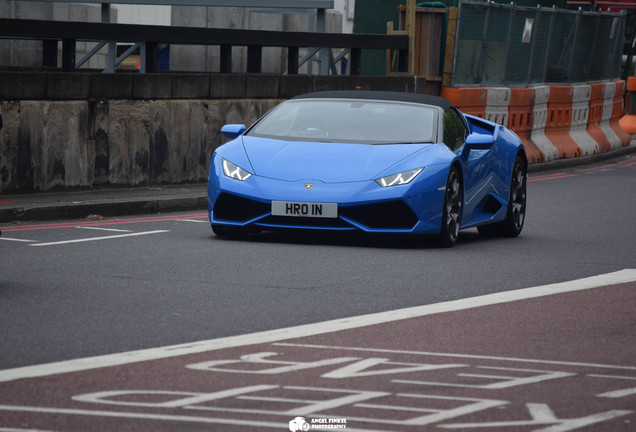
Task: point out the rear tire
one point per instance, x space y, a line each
516 212
452 210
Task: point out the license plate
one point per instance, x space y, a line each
304 209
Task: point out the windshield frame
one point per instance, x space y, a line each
433 137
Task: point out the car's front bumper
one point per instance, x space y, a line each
365 206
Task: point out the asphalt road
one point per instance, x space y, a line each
67 291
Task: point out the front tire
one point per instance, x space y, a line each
516 212
452 210
227 231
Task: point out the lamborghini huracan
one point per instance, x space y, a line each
369 161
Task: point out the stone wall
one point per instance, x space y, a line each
81 130
49 144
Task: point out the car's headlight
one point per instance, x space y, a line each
398 179
235 171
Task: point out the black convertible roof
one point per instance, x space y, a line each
379 95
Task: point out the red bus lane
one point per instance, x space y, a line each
554 358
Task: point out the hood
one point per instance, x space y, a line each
327 162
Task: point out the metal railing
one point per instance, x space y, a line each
145 39
149 37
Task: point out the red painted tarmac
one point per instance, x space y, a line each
550 363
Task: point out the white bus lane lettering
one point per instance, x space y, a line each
500 381
356 369
179 399
368 367
291 401
270 367
381 409
428 406
542 415
616 393
360 368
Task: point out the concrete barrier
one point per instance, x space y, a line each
608 108
581 95
597 97
559 121
618 112
521 119
471 100
497 105
553 122
540 122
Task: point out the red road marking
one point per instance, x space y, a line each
103 222
593 170
550 177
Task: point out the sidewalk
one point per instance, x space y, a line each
102 202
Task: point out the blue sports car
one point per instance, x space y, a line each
369 161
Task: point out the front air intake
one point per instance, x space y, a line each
386 215
237 209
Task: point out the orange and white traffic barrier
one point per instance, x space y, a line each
521 119
617 113
559 120
597 97
581 95
554 122
471 100
628 121
608 108
497 105
539 123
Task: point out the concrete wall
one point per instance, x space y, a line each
48 144
68 130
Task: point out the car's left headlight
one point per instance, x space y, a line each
234 171
399 178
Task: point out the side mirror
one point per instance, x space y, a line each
477 141
232 131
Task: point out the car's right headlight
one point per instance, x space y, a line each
234 171
399 178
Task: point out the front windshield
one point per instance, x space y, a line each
349 121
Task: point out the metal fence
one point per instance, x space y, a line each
509 45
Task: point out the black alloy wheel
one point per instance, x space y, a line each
452 211
516 212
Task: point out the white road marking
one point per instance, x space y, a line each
616 393
504 383
460 356
143 416
251 424
542 415
102 229
16 240
619 277
22 430
192 220
99 238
